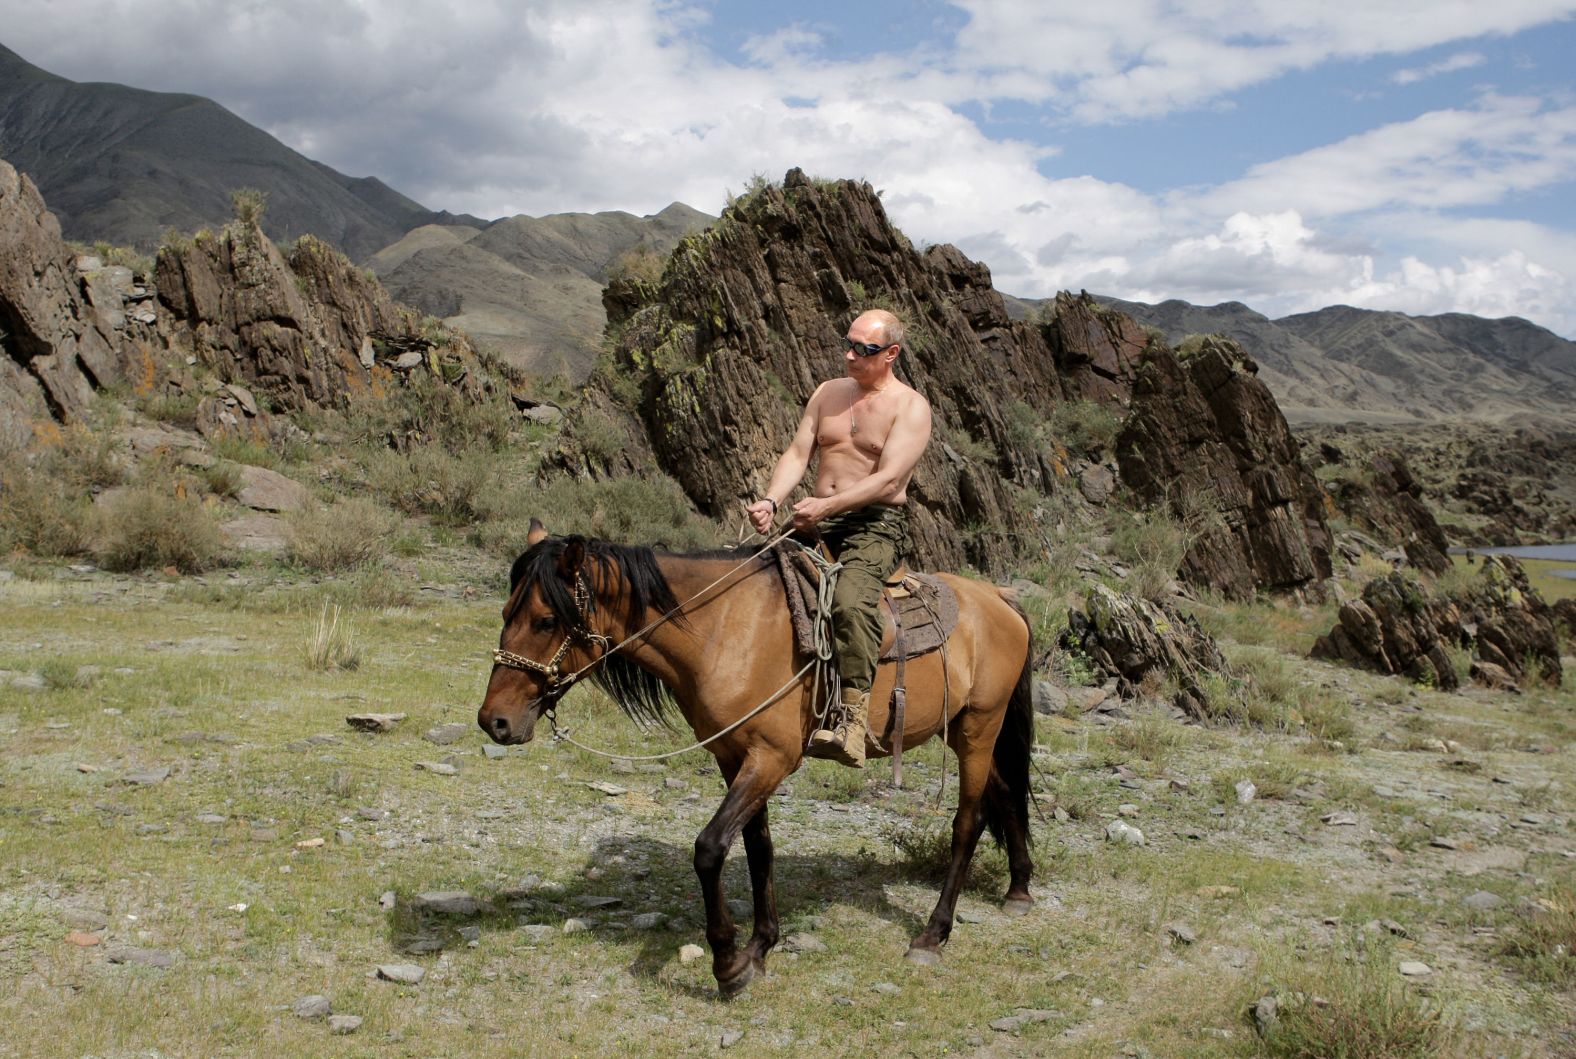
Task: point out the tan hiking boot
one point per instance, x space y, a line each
846 743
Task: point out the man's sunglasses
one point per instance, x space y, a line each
867 349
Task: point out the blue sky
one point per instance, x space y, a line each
1398 154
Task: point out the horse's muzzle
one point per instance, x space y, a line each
510 733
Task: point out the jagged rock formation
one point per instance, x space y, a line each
1135 640
717 359
57 343
1397 627
310 331
1204 438
1394 628
1383 497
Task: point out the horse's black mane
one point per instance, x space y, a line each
634 567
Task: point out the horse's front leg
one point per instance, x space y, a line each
747 793
758 847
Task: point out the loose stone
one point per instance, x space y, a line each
447 734
315 1006
342 1024
690 953
1415 969
403 973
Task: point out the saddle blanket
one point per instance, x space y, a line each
926 607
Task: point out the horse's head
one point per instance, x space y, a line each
545 636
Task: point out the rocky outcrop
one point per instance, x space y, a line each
56 344
1397 627
1136 640
309 331
1384 498
1205 439
1097 350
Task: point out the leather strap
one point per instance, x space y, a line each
899 697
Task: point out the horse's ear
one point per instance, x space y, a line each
536 535
571 558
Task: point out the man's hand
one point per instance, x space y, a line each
810 510
762 513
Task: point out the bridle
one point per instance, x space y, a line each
555 684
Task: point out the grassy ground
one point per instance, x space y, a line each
259 866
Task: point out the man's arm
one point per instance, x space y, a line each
790 466
905 444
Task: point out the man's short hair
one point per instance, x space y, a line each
892 331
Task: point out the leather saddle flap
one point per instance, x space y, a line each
927 607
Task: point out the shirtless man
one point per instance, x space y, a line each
870 430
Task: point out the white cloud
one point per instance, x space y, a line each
495 108
1465 60
1130 58
1444 158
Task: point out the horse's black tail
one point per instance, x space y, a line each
1006 800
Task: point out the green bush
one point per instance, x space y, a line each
426 411
431 481
1084 426
629 510
43 515
1542 943
341 536
148 528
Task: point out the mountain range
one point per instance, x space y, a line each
125 165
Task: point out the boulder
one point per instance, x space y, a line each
266 490
1130 639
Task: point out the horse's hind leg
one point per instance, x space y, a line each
748 790
1015 833
758 847
973 773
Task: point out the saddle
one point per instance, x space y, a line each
920 605
920 613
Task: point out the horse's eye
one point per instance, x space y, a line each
544 624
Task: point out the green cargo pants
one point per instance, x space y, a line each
870 543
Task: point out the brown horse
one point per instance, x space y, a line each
728 648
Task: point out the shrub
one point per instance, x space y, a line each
1354 1006
639 264
926 850
1149 737
341 536
633 510
431 481
151 528
1084 426
221 478
248 205
81 458
427 411
42 515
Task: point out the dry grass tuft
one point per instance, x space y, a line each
1542 944
1355 1007
342 536
332 644
150 528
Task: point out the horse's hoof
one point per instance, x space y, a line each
732 987
923 957
1017 906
